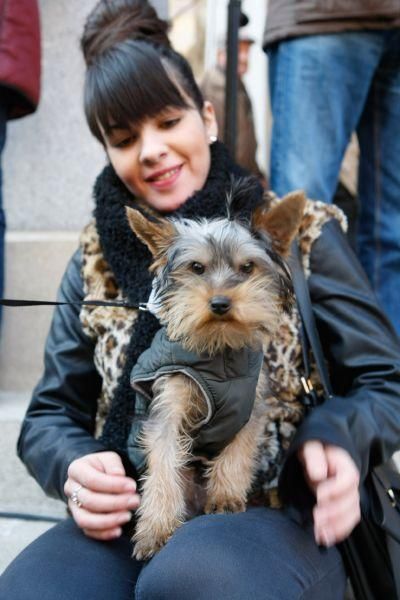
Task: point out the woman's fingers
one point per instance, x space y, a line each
345 482
343 477
103 534
101 472
90 521
337 510
110 462
100 496
100 502
334 478
313 458
335 520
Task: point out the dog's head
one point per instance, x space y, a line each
221 282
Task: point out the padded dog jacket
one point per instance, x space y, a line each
227 380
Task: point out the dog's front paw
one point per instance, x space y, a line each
144 549
150 539
224 504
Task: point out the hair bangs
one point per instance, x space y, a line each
126 85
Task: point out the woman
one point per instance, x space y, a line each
144 106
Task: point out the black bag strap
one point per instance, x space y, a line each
310 334
394 552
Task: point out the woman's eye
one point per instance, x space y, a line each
124 143
197 268
247 267
169 123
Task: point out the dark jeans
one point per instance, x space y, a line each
257 555
3 125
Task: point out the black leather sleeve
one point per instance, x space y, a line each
363 353
59 424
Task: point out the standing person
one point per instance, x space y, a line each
213 87
19 79
334 68
143 105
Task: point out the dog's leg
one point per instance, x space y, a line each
230 474
167 444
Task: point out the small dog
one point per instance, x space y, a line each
218 284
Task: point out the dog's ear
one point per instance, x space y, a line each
241 198
156 235
281 222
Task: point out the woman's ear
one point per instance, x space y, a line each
210 120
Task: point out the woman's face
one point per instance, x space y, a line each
166 158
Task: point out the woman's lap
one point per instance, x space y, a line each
260 554
257 554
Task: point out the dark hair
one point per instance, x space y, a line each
132 70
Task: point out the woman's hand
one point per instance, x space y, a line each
104 494
334 479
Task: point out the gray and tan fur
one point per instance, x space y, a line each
218 284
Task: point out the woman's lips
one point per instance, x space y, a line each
165 178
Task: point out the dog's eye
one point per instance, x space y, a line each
247 267
197 268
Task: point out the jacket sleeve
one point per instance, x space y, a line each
59 423
363 354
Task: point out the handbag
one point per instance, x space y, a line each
371 553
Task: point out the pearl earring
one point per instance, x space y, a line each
213 139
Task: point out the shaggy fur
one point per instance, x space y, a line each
218 285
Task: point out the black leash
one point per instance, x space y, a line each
19 303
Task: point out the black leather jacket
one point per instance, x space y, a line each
364 353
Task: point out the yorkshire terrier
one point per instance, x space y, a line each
219 284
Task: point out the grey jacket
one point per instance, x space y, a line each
227 380
292 18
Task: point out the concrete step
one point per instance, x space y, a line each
19 493
35 263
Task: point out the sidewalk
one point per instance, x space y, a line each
18 491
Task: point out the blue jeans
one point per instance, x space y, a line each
3 126
323 88
257 555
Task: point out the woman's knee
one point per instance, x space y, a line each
190 566
248 555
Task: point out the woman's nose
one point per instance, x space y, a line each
152 146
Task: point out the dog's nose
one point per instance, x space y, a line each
220 304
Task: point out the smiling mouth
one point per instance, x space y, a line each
164 176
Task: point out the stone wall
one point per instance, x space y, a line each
49 166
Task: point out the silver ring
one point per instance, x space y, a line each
74 496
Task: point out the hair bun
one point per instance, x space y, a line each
114 21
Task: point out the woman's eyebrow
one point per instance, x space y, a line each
109 129
169 109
